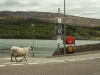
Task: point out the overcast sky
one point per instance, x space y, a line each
82 8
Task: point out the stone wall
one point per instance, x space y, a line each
80 48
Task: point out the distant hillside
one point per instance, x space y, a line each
52 17
12 26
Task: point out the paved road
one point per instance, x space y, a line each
87 64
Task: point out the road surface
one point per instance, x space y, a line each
85 64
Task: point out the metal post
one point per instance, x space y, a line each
33 38
58 27
64 31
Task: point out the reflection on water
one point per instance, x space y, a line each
42 48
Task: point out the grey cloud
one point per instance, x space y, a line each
84 8
10 3
19 3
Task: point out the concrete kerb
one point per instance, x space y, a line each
81 53
74 54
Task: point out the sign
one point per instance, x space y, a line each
59 20
55 29
59 31
70 40
58 39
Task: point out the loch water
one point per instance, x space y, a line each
42 48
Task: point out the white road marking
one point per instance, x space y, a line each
38 61
96 73
13 58
17 64
2 65
60 61
71 60
91 58
98 57
7 58
27 62
24 62
43 60
33 63
82 59
66 59
46 62
10 62
53 60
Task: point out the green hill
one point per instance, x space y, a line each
20 28
52 17
17 27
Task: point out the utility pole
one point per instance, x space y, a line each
33 38
59 35
64 31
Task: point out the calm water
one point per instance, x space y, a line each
42 48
